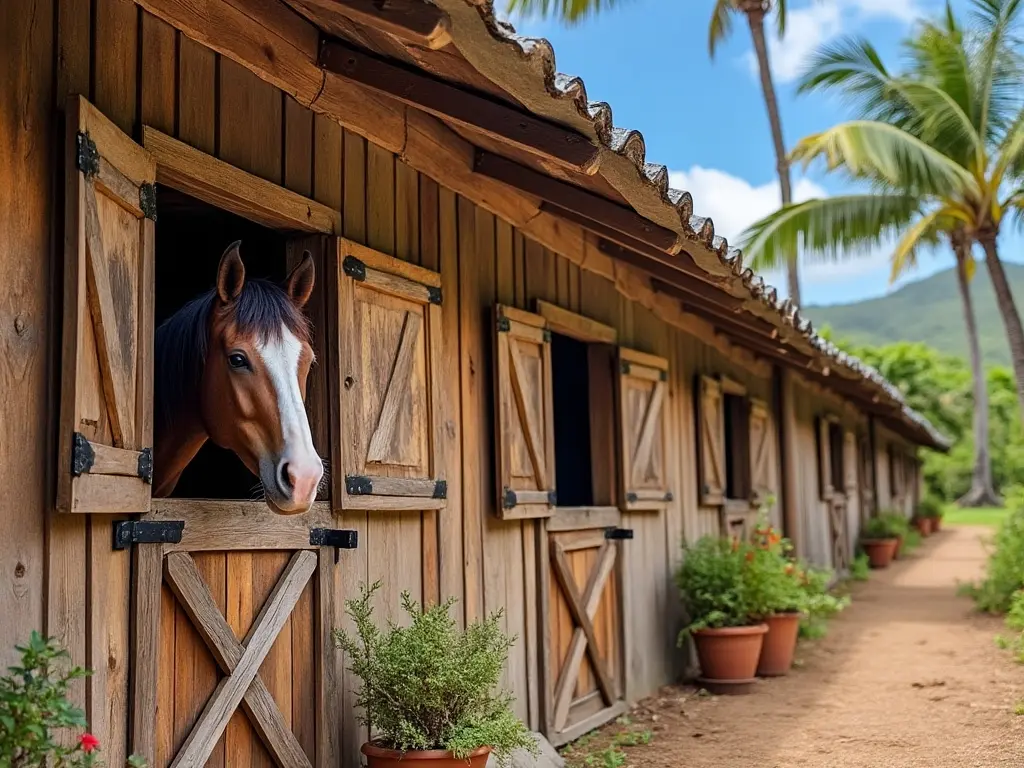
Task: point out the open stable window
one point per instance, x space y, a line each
837 455
580 421
737 446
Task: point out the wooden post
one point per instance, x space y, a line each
789 452
873 449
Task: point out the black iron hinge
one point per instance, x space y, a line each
334 537
546 335
504 325
354 268
128 532
82 454
358 485
508 498
632 498
146 465
662 375
147 201
618 534
87 156
440 489
553 498
434 295
624 368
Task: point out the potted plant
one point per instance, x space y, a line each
879 541
429 688
715 592
929 512
776 596
34 704
899 527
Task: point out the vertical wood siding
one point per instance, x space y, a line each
136 70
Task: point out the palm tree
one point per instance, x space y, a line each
573 11
936 146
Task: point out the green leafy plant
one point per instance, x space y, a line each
430 685
885 526
773 581
712 584
1004 569
860 568
820 603
929 507
34 705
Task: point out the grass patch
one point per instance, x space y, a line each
607 748
990 517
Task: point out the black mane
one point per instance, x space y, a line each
182 340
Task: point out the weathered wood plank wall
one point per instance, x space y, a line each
136 69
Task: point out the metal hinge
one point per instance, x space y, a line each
146 465
358 485
662 375
546 335
434 295
618 534
354 268
82 454
128 532
552 498
334 537
504 325
632 498
508 498
624 368
87 156
440 489
147 201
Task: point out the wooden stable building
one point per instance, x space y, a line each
539 372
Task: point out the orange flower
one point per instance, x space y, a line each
789 569
750 556
774 539
88 742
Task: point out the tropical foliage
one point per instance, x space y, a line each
1004 569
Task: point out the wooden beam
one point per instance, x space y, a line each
699 294
495 119
597 210
411 21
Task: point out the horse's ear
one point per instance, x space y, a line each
230 274
299 284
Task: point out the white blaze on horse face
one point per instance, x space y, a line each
298 470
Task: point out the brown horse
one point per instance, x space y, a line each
231 367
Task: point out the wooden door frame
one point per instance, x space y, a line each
234 526
605 519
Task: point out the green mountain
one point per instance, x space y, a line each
928 310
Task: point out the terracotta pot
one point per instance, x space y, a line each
379 757
779 644
879 551
936 523
729 653
899 547
924 525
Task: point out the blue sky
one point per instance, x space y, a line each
706 120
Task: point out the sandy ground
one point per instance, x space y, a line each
907 676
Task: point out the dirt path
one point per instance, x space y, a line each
907 676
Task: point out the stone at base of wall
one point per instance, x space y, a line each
548 757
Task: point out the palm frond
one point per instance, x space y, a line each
779 9
997 59
1009 159
873 150
721 24
829 228
566 11
921 232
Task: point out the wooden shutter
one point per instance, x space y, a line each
761 478
643 396
525 433
389 347
106 412
866 477
850 463
826 485
711 441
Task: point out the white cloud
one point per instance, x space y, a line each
734 204
809 27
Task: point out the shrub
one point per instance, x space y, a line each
1004 569
430 685
772 579
929 507
885 526
860 568
34 703
820 604
712 585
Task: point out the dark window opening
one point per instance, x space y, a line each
837 463
190 238
583 415
737 447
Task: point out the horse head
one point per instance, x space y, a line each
231 367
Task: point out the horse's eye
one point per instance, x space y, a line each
237 360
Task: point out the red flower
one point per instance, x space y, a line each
750 557
88 742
